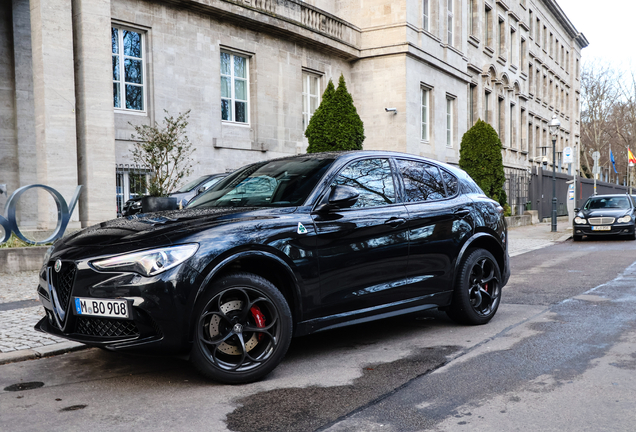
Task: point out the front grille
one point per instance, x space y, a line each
105 327
601 220
63 283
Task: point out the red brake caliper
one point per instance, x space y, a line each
259 318
486 287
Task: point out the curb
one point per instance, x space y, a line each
40 352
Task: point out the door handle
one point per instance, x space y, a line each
395 222
462 212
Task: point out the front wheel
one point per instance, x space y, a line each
478 289
243 329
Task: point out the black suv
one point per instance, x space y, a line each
277 249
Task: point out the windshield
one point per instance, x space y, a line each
277 183
607 203
191 185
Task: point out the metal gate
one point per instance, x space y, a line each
131 183
516 187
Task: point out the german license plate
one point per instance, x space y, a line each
601 228
102 308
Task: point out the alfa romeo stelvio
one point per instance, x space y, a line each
277 249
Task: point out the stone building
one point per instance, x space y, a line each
76 76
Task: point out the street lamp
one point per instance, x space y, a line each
554 131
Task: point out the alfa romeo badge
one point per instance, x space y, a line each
58 266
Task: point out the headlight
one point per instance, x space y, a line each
624 219
579 220
148 262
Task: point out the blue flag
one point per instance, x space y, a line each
613 162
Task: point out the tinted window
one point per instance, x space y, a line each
422 181
276 183
608 203
372 179
451 183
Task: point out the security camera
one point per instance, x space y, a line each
393 110
545 161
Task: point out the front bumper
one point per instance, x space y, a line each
615 230
157 320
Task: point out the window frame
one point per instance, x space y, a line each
122 69
450 22
425 91
233 99
426 15
307 96
450 122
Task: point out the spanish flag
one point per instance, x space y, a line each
631 157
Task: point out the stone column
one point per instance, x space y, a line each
54 103
95 114
8 148
24 109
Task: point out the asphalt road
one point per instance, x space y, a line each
559 355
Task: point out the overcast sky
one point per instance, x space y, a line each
609 26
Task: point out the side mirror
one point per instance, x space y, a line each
340 197
201 190
576 210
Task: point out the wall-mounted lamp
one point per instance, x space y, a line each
391 110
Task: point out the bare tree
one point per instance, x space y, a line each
600 93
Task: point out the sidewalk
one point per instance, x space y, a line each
20 308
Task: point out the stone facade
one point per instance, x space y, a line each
434 61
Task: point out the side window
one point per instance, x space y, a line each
372 179
422 181
451 183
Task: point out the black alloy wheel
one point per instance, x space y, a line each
243 329
478 289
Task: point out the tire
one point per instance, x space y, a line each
477 291
577 238
243 328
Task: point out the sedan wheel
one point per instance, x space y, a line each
478 289
243 329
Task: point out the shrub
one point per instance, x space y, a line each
166 151
336 124
480 156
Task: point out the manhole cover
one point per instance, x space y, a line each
24 386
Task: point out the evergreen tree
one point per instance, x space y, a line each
480 156
336 124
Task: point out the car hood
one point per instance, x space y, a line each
615 213
151 229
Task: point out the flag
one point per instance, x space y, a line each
613 161
631 157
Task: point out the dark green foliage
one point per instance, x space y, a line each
480 156
336 124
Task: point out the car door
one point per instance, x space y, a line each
439 220
362 250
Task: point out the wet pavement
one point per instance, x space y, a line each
20 309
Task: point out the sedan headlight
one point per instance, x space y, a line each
148 262
579 221
624 219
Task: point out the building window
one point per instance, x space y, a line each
513 127
486 107
449 4
522 51
487 24
501 120
531 79
531 23
472 17
513 47
472 104
426 15
311 96
234 88
501 39
131 183
449 121
425 104
538 33
128 69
